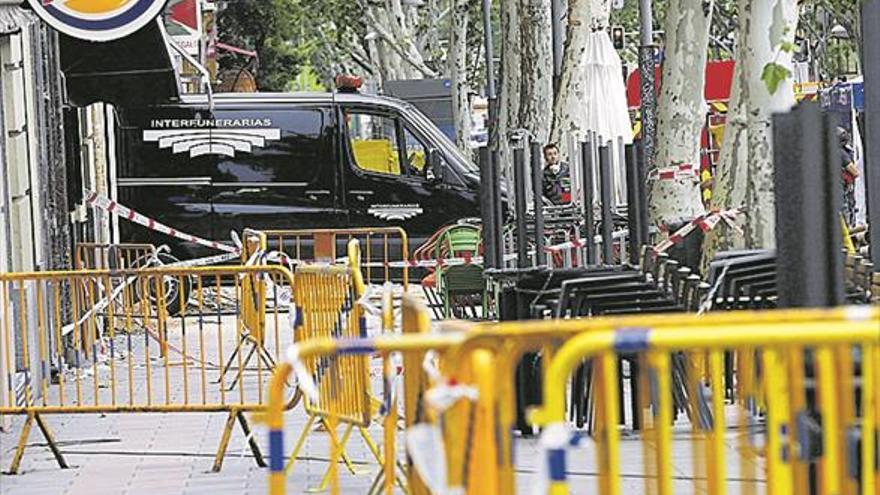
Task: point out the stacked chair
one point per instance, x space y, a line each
861 281
736 280
743 280
456 289
747 280
658 284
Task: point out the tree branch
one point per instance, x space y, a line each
393 43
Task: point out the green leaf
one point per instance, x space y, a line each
773 75
788 47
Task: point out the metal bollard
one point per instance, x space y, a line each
871 54
499 208
519 179
587 200
808 200
487 204
644 233
538 195
633 204
605 195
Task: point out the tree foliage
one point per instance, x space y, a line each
266 27
832 54
375 38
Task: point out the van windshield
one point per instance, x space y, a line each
457 159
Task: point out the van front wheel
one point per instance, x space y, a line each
175 289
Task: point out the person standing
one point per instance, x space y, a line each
849 175
557 178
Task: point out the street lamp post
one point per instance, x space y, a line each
839 34
647 91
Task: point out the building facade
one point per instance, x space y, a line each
34 222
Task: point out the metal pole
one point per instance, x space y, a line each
642 195
633 204
617 193
605 195
492 132
647 91
538 199
487 196
519 181
558 32
871 69
498 210
587 200
491 95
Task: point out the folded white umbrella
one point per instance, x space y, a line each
605 108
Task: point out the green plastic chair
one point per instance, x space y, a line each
462 287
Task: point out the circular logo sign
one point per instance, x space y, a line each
98 20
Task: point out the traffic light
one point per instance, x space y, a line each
618 37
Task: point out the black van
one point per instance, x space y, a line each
280 161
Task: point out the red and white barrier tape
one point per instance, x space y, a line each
678 172
576 242
152 263
96 200
207 261
704 222
413 263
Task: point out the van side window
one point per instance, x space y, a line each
417 156
373 140
416 152
291 151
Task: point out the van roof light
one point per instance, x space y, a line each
347 83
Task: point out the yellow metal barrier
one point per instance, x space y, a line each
93 256
344 393
254 299
385 250
460 354
778 352
510 341
332 352
98 341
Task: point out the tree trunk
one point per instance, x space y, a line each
401 27
584 16
744 177
458 68
729 188
778 18
510 84
536 98
681 112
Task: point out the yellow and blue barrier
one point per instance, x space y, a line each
779 348
760 376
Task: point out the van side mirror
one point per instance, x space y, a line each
435 172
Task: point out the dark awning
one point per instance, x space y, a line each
128 72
